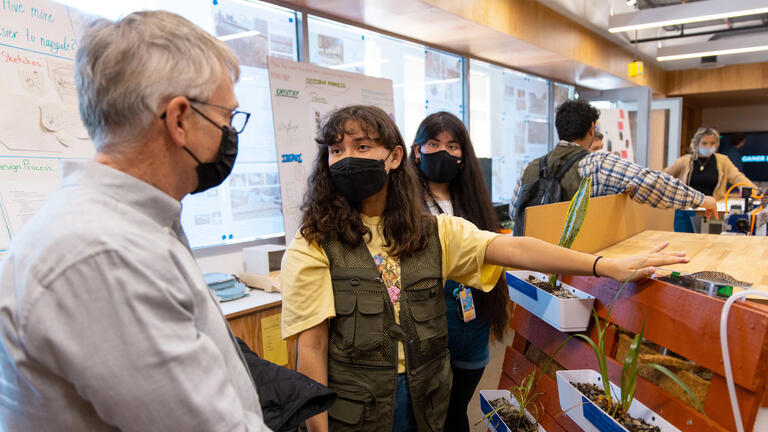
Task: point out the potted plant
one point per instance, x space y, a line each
516 409
596 404
560 305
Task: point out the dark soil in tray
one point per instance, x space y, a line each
555 291
508 414
597 395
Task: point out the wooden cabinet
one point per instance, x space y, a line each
256 320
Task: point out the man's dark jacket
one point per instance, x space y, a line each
287 397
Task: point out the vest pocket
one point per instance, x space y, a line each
430 392
429 319
354 407
369 329
344 323
346 411
438 395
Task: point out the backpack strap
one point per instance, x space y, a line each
543 168
569 163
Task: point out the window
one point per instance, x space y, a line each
424 80
509 121
247 206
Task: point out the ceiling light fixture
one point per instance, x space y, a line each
721 47
685 14
713 53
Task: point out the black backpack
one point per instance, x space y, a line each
544 190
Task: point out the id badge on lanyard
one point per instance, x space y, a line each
466 304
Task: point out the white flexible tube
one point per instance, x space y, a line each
726 354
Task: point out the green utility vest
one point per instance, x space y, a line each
362 346
555 159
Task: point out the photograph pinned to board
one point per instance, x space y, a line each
537 131
442 77
615 125
330 49
235 23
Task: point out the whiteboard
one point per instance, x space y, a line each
301 95
40 124
39 119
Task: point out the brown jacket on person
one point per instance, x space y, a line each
726 173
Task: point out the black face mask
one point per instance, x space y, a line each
212 174
359 178
440 167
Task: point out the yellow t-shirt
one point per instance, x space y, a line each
307 288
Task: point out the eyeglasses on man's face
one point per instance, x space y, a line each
237 119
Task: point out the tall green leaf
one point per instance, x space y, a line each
629 370
577 211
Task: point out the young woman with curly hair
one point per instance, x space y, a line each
362 282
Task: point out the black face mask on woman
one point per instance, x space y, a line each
440 167
359 178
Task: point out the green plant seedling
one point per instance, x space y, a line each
631 367
577 211
526 397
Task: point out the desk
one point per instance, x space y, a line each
740 256
245 318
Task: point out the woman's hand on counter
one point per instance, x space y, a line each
639 267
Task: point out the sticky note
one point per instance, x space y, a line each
273 347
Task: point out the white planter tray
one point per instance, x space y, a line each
495 424
566 315
588 415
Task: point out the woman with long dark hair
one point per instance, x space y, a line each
362 282
452 184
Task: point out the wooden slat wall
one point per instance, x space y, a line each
751 76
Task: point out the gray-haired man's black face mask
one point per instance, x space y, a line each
212 174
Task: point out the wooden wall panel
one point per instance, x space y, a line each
751 76
538 25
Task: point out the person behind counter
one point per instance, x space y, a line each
105 320
363 279
706 171
452 183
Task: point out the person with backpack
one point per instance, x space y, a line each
362 281
452 183
555 177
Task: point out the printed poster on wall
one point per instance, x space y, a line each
301 95
617 133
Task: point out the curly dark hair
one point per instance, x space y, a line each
573 119
327 214
471 200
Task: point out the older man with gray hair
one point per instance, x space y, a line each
105 320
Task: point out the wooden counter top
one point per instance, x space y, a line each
742 257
